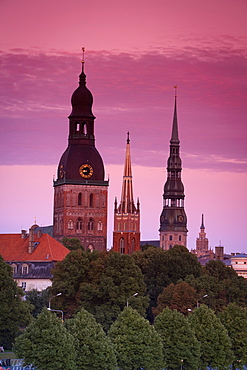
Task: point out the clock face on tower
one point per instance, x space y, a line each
86 170
180 218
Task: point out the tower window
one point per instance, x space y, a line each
70 225
90 224
180 238
84 128
133 245
122 246
170 237
100 226
79 224
77 126
91 200
79 199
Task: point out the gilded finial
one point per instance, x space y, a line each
128 137
83 50
175 87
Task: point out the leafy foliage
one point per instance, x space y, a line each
219 270
93 349
180 346
213 337
181 297
46 344
72 243
13 311
39 299
234 319
137 344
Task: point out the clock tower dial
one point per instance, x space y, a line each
86 170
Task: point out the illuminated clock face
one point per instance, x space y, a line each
180 218
86 170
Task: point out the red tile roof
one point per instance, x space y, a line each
15 248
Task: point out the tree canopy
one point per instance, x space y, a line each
234 319
14 312
181 349
93 348
137 344
46 344
215 343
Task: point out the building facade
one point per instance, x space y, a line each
173 219
126 234
32 256
80 190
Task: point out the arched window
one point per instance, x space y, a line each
79 224
91 200
79 199
180 238
170 237
70 225
100 226
84 128
14 267
122 246
77 126
90 224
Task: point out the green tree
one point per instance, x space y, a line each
39 299
219 270
14 312
137 344
72 243
180 297
180 346
93 348
114 278
213 337
234 319
68 275
46 344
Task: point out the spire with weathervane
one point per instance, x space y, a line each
126 234
173 220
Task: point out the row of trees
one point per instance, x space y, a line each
201 340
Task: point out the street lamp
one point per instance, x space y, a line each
197 303
181 368
127 303
49 305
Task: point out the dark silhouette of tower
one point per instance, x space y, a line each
202 244
173 220
126 234
80 191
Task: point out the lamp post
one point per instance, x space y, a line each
49 305
127 303
197 303
181 368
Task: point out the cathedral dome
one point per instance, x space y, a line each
82 99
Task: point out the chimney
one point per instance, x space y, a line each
23 234
31 240
219 253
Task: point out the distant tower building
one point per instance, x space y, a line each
80 191
126 234
202 244
173 220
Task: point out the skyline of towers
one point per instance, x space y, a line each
173 219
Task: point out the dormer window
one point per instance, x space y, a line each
24 269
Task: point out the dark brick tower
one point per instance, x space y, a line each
126 234
173 220
80 191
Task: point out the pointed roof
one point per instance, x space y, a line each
127 199
14 247
202 225
174 138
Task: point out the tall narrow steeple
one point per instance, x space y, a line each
173 220
126 234
202 250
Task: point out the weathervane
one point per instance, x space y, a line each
83 50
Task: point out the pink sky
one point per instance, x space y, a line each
136 51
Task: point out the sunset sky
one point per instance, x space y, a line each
136 51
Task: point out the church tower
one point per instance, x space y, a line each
173 220
80 191
126 234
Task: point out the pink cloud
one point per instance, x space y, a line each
131 92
